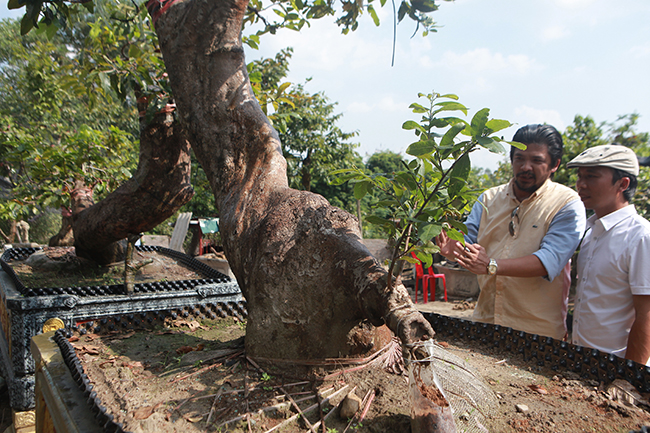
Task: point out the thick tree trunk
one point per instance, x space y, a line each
160 186
313 289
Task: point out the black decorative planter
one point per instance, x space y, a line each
26 312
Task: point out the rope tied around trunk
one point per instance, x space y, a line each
158 7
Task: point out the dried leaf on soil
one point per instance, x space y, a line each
145 412
90 350
192 324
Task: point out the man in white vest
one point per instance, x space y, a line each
612 306
521 236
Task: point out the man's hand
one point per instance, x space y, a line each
445 245
474 258
450 249
471 256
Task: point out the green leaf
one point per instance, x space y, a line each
411 124
496 125
411 260
448 138
450 106
429 231
374 219
455 186
388 202
283 87
517 145
361 189
401 13
342 178
455 235
417 108
459 175
462 168
461 227
51 30
425 6
89 5
255 77
420 148
478 122
373 14
424 257
407 180
437 122
491 145
26 24
134 50
105 81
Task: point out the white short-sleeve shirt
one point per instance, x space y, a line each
613 265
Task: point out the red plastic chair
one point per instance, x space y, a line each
424 278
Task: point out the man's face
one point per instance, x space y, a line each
597 191
531 168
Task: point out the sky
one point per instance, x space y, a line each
533 61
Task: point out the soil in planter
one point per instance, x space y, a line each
194 377
60 267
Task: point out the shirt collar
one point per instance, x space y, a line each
612 219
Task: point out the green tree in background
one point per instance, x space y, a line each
385 161
50 136
312 143
57 130
583 133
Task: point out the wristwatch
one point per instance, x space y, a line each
492 267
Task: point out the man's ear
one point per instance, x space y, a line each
557 165
625 183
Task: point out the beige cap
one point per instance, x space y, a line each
609 155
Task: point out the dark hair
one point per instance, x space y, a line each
617 174
540 134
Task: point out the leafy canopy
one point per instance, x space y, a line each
268 16
51 136
585 132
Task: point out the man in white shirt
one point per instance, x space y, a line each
612 305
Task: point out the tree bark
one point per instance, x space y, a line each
160 186
312 287
65 236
